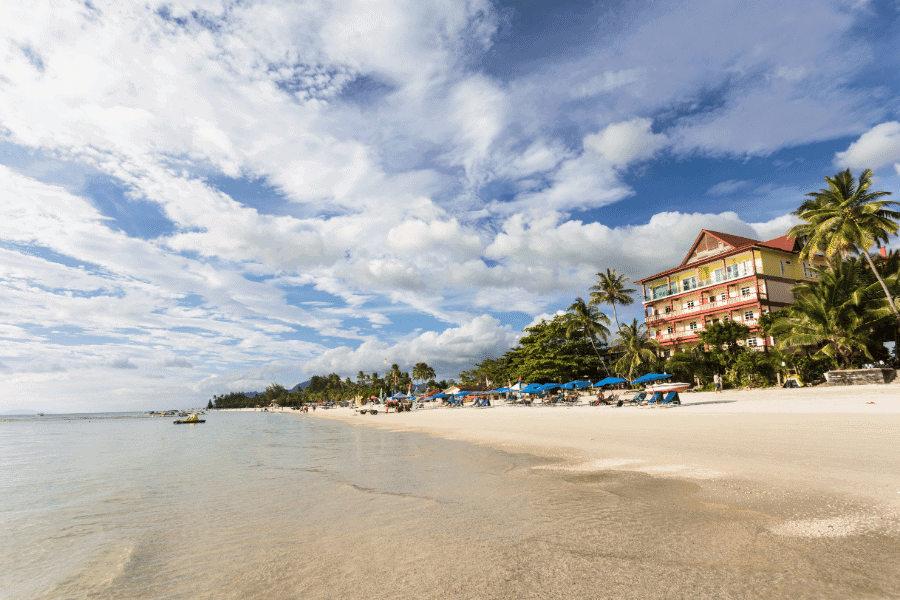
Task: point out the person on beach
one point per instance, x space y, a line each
717 379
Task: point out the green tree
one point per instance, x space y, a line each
847 218
612 289
639 352
422 372
829 318
546 354
727 334
586 321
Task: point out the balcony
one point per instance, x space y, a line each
706 306
663 337
705 283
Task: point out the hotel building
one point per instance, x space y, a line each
723 278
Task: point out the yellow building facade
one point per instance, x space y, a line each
723 278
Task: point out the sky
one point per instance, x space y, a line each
208 196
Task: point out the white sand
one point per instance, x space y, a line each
822 440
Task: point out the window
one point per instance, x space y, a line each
748 315
667 353
787 262
693 325
715 321
731 271
669 330
751 341
724 296
726 318
688 283
653 334
690 304
668 309
661 291
718 275
745 291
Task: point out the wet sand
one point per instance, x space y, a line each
821 462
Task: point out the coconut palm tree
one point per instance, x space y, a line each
637 349
611 289
829 317
847 218
585 320
422 372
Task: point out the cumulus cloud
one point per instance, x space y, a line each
176 363
122 363
626 142
876 148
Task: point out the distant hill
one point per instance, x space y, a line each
301 386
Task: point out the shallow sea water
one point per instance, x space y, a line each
280 506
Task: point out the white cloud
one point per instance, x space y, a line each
448 352
876 148
727 188
122 363
626 142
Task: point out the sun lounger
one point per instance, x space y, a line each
482 403
671 398
655 399
638 398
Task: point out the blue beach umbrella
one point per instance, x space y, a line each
577 385
610 381
549 386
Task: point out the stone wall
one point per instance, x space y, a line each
861 376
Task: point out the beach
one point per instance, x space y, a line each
818 461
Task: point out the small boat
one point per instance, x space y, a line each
192 419
668 387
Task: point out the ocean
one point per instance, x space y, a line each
284 506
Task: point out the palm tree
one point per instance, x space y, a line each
846 218
585 320
610 289
830 316
422 372
637 349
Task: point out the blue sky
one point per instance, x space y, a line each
208 196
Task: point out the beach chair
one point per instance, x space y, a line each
638 398
482 402
670 399
654 399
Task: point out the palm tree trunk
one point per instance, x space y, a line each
597 352
616 317
884 286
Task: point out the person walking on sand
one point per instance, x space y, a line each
717 379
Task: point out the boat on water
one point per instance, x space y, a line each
194 418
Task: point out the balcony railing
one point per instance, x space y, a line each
704 283
687 332
713 304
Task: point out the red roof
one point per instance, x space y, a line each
737 243
788 244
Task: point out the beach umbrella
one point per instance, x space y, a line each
610 381
651 377
399 396
577 385
549 386
441 395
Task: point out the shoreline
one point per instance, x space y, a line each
829 456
